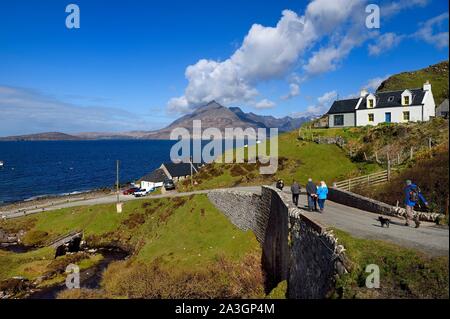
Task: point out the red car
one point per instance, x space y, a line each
130 191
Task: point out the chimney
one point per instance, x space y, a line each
427 86
364 92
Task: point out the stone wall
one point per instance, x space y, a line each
371 205
267 217
295 248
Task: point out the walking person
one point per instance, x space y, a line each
412 197
311 192
322 193
295 190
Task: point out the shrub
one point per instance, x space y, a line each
35 238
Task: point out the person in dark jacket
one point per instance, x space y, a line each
412 197
311 192
295 190
280 184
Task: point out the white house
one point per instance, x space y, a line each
409 105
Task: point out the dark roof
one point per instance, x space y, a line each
180 169
443 107
384 99
343 106
394 98
157 176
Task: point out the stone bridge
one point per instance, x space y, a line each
298 246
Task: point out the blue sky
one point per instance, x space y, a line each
138 65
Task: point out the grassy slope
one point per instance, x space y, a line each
183 233
437 75
404 273
297 160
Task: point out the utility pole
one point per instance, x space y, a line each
117 180
190 162
118 204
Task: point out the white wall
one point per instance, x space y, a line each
150 185
429 108
362 116
349 120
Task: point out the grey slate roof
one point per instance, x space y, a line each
180 169
343 106
443 107
157 176
394 99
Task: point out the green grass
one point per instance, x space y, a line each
404 273
437 75
298 160
182 233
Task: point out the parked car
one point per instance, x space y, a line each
169 184
131 191
143 192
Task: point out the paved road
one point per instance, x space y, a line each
110 199
429 238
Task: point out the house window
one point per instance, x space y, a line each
371 103
406 116
339 120
391 99
406 100
371 117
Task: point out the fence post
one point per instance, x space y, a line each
349 185
376 157
398 158
365 156
430 146
411 154
389 170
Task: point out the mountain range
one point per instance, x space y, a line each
211 115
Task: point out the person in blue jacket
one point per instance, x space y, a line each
322 193
412 197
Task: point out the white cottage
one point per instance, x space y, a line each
410 105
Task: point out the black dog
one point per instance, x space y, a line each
384 221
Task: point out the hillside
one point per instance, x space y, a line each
437 74
179 248
50 136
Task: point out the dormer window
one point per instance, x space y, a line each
371 101
406 100
390 99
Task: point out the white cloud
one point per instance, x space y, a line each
294 90
265 104
429 34
27 111
322 106
374 83
394 7
384 43
269 53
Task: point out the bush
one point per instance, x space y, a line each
224 279
35 238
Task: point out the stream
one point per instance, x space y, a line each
89 278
